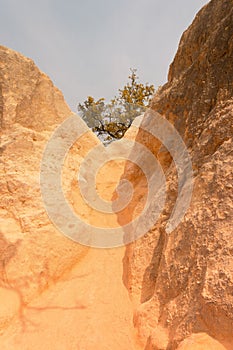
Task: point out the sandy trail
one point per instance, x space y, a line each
89 308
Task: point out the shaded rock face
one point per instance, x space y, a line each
33 254
182 283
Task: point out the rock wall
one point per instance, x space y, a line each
182 283
33 254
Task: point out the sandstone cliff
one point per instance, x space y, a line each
182 283
33 254
54 293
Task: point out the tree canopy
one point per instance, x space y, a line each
111 120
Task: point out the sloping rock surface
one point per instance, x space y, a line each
182 283
54 293
33 254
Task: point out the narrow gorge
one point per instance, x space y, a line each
163 291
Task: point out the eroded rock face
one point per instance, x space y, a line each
182 283
33 254
54 293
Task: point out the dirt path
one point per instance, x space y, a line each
88 309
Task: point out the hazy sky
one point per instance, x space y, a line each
88 46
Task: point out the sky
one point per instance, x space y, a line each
87 47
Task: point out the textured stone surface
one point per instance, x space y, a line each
33 254
54 293
182 283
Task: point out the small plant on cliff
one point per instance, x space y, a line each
109 121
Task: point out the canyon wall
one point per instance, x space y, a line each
33 253
182 283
